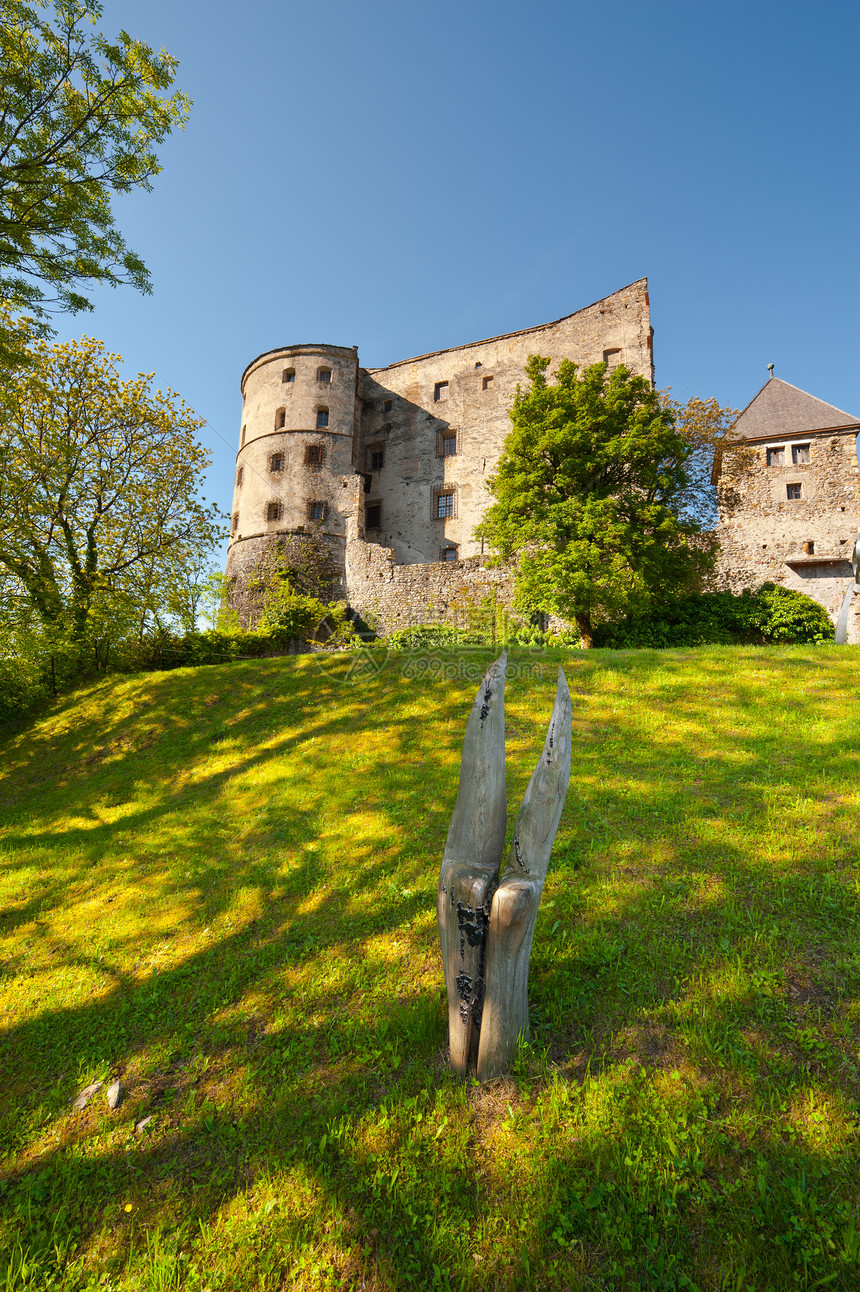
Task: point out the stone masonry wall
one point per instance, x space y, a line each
802 543
413 410
390 596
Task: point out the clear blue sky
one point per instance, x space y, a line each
408 175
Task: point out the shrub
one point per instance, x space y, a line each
772 614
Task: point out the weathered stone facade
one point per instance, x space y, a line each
390 466
400 455
796 498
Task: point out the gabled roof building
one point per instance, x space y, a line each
790 506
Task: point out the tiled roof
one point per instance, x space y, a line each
781 411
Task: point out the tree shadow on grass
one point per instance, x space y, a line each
264 1060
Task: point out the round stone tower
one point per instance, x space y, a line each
294 467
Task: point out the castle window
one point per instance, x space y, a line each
373 515
486 383
234 522
447 444
240 476
386 405
280 419
776 457
273 511
324 376
440 391
316 510
375 457
611 358
288 375
276 463
314 455
242 439
792 492
322 417
809 547
444 503
449 553
799 453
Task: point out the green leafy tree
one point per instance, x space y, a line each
80 119
99 483
594 497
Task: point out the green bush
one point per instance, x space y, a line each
22 685
772 614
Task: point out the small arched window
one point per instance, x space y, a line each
288 375
322 417
324 376
242 439
280 419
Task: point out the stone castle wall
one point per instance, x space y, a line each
437 423
802 543
314 423
389 596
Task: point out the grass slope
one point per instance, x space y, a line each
219 884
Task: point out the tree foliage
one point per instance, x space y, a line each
98 491
80 119
595 496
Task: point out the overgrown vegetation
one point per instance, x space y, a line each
772 614
219 886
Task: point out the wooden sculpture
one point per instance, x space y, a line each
486 926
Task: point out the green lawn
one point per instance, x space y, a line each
219 885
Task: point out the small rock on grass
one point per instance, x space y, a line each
114 1094
141 1126
86 1095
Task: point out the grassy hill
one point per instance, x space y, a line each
219 885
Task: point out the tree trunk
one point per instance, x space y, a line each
583 623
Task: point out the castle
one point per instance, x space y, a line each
390 464
795 498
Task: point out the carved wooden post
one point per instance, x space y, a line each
486 928
470 867
515 902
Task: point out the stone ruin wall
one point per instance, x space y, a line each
388 596
409 409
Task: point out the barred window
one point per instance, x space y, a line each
276 463
444 504
792 492
449 553
273 511
316 509
234 522
446 444
314 455
373 515
240 476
